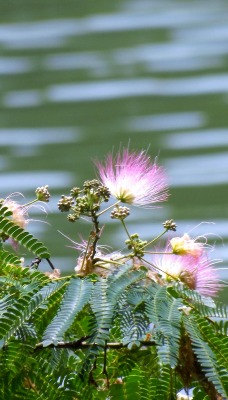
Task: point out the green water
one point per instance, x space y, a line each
100 74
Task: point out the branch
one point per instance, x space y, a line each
81 343
96 233
50 263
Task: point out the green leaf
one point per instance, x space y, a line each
103 309
21 236
163 311
22 308
75 298
210 352
134 326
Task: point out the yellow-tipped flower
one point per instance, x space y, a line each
186 246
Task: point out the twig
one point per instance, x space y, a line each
50 263
81 343
105 372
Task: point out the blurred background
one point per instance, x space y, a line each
78 78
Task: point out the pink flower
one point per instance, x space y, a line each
186 246
206 279
197 273
133 179
19 213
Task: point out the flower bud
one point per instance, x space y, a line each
43 194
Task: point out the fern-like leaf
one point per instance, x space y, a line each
22 308
76 297
134 326
212 364
20 235
123 278
140 386
159 387
163 311
221 327
103 310
8 258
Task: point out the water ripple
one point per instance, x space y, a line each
115 89
207 138
23 181
166 122
38 136
14 65
55 32
200 170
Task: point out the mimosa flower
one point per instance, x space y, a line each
54 274
169 265
197 273
19 213
206 279
186 246
133 179
101 264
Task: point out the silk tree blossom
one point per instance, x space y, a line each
132 178
102 262
186 246
19 213
198 273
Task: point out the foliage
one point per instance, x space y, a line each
115 330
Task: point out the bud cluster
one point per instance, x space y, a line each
136 244
96 190
65 203
85 201
43 194
120 212
75 191
170 225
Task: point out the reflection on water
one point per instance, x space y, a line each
25 98
53 32
209 169
31 180
38 136
117 89
167 122
14 65
207 138
86 60
173 56
151 72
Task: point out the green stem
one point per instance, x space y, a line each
156 238
30 203
108 208
106 261
67 277
125 228
83 261
157 252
